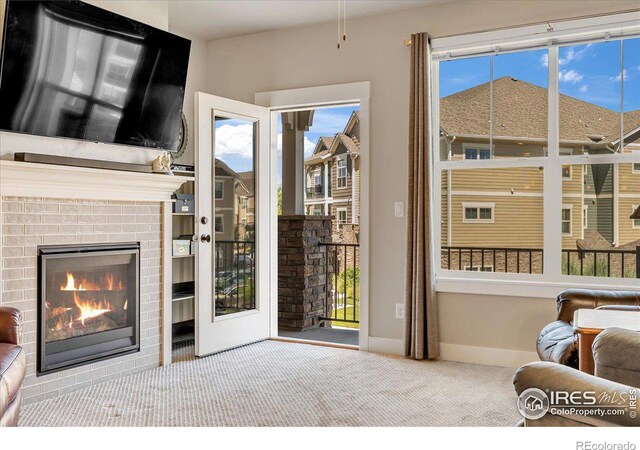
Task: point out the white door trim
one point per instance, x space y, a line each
313 97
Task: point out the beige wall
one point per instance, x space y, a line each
374 51
510 323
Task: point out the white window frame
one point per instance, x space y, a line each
471 146
633 165
221 216
585 218
570 177
562 221
339 222
633 221
346 172
215 191
478 206
549 36
478 268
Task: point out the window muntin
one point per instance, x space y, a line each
219 190
567 220
219 224
342 172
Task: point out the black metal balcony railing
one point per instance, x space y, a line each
600 263
235 276
342 304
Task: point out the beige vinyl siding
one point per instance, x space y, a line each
574 185
517 223
626 231
520 179
629 182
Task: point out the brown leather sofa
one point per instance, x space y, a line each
13 364
617 377
556 342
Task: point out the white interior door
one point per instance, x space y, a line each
233 227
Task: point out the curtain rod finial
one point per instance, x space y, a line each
407 42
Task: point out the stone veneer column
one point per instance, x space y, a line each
302 266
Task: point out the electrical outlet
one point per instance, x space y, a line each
399 209
399 310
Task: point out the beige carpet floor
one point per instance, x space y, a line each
284 384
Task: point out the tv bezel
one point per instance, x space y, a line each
4 17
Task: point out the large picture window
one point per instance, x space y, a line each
532 140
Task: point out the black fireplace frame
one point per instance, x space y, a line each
96 341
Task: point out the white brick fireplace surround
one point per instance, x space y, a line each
51 205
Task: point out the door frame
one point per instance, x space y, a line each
314 97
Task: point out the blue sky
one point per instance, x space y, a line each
590 72
234 138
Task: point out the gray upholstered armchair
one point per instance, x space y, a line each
617 371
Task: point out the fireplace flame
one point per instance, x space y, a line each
90 308
108 284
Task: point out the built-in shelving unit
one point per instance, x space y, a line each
183 272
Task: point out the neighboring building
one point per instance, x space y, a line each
234 211
332 182
503 208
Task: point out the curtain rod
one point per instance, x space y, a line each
407 42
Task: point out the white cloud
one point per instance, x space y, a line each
570 76
238 140
544 60
584 88
625 75
235 140
308 146
573 54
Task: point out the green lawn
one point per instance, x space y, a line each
339 314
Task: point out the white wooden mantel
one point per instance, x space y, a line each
23 179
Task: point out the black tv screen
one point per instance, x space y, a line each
73 70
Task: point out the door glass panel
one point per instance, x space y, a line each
235 215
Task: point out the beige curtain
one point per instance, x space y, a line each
421 331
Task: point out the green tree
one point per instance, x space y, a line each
279 200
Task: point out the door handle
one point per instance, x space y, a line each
205 238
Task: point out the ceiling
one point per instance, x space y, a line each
215 19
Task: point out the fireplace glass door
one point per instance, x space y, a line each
88 303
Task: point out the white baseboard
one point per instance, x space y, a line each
386 345
486 355
461 353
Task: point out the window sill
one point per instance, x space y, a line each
525 285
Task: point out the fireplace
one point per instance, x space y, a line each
88 304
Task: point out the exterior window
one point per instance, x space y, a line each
341 214
636 222
478 212
342 172
566 221
495 107
219 224
243 202
477 153
219 189
478 268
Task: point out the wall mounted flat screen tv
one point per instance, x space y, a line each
69 69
